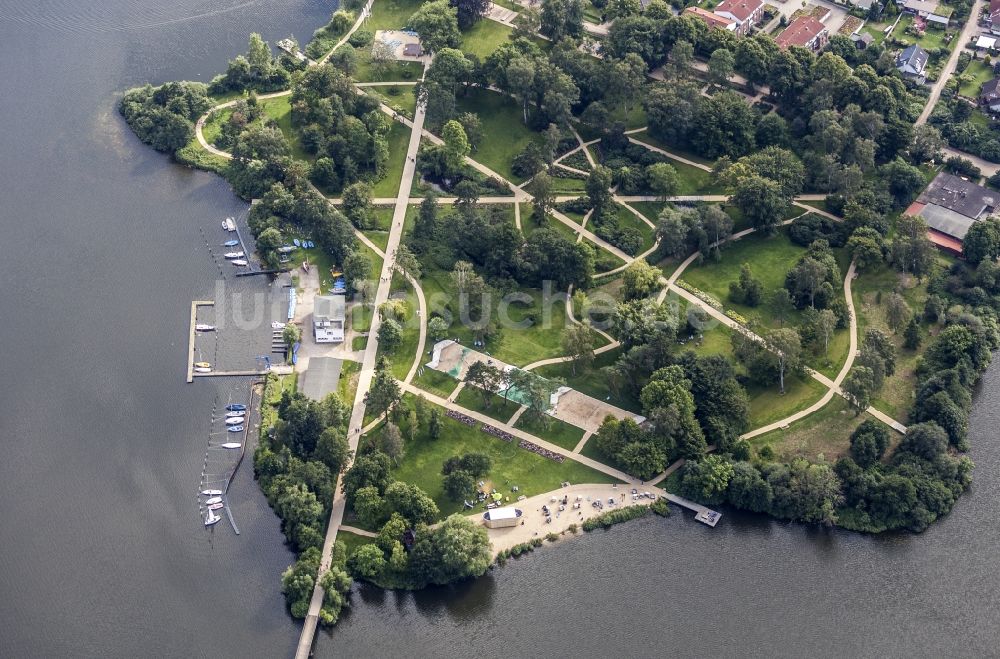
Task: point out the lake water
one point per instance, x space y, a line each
102 551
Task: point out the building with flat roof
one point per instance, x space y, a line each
329 313
501 517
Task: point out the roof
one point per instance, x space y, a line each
945 242
712 20
740 9
864 37
913 57
321 378
934 18
330 307
958 195
863 4
510 512
921 5
990 89
946 221
986 42
412 50
800 32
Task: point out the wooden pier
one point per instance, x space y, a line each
192 332
228 374
702 514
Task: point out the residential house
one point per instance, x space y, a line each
712 20
989 95
745 13
805 32
993 16
950 206
912 62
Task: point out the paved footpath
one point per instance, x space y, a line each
365 377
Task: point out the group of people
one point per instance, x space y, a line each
462 418
544 452
497 432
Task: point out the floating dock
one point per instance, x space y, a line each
192 332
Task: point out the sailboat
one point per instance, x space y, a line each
202 365
211 518
234 255
209 502
211 493
200 327
232 445
235 420
231 243
234 428
236 407
217 506
240 262
233 413
229 224
202 369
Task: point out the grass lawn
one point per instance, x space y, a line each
636 115
361 318
194 155
359 343
280 109
531 473
979 73
213 125
348 385
826 432
768 405
593 381
551 430
933 37
505 134
393 72
627 218
540 336
391 14
398 97
435 382
567 185
896 396
648 138
484 37
471 398
770 259
403 355
352 541
399 138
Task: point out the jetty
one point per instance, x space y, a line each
702 514
191 334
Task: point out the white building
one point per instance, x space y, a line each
501 517
328 318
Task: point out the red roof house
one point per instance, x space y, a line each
713 20
745 13
805 32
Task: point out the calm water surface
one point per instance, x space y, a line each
102 552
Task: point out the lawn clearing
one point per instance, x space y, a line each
768 405
552 430
505 134
484 37
388 186
824 433
531 473
280 110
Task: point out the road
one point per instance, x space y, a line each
971 27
